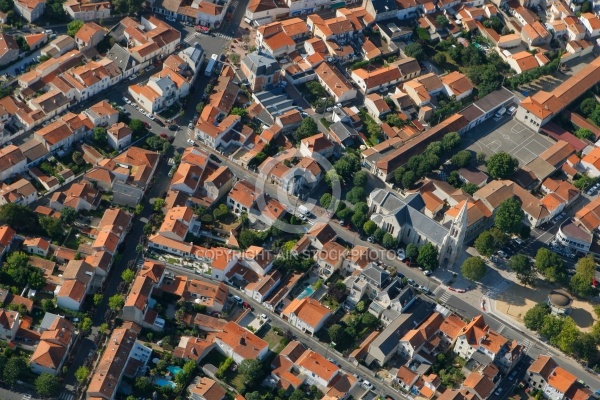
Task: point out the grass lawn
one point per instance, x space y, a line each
276 342
272 338
214 357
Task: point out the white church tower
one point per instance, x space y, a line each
454 240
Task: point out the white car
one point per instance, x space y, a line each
151 117
371 239
367 385
125 99
190 142
263 316
401 254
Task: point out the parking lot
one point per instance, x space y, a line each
510 136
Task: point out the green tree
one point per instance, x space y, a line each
588 106
534 317
485 244
428 257
586 7
414 50
138 127
158 204
21 218
251 369
502 165
509 216
52 226
336 332
128 276
85 325
17 267
239 111
360 307
48 305
568 335
581 282
156 143
248 238
82 373
356 194
74 26
586 346
412 251
409 179
583 133
470 188
369 227
450 141
116 302
14 369
360 179
378 234
47 385
332 179
68 215
551 327
550 264
308 127
389 242
523 267
439 59
359 219
100 136
442 21
325 200
473 268
461 159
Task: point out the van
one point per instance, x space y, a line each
501 112
48 31
303 210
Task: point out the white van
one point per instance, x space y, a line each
303 210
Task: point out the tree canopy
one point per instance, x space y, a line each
473 268
308 127
509 216
501 165
74 26
428 257
47 385
581 282
523 267
550 264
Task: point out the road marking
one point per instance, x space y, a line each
445 297
66 396
502 326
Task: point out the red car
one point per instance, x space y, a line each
163 135
147 125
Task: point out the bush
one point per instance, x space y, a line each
224 367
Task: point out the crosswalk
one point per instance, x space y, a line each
526 344
219 34
66 396
445 297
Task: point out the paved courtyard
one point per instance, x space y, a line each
510 136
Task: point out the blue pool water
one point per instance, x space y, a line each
164 382
306 293
174 370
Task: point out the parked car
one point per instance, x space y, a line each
163 135
237 299
367 385
190 142
427 272
401 254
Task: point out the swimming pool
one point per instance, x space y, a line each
174 370
162 382
307 292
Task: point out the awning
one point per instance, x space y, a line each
341 4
